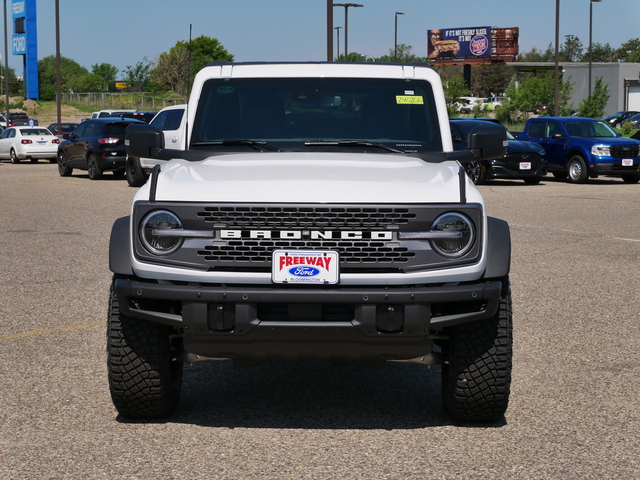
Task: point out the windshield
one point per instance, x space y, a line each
581 128
317 114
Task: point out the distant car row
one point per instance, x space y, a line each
571 148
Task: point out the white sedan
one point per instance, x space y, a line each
33 143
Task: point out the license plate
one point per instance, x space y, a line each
305 267
627 162
525 165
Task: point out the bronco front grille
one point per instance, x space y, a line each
365 236
293 216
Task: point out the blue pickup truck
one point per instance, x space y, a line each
581 148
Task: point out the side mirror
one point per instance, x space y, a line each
488 142
143 140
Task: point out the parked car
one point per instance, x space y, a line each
523 160
32 143
171 121
65 129
16 119
619 118
109 113
580 148
634 120
96 145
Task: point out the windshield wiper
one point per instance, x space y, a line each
351 143
235 142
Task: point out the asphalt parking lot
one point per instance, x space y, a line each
575 403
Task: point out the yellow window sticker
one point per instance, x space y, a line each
409 99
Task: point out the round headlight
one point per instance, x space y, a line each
457 234
157 232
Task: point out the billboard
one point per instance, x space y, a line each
459 43
24 41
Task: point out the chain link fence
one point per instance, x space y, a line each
115 101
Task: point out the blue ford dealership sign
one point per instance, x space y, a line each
25 42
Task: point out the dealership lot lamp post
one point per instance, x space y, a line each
337 29
556 107
395 38
591 2
346 25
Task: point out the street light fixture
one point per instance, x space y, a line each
591 2
337 29
395 38
346 25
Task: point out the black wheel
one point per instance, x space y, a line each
135 174
63 168
93 168
532 181
631 178
145 378
14 158
476 376
577 170
475 172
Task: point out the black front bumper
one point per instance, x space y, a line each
264 323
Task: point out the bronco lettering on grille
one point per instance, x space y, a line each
300 234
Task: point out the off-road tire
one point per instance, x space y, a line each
476 375
577 170
135 174
14 158
145 378
475 172
93 169
63 167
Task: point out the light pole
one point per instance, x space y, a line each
556 107
346 25
395 38
6 67
337 29
591 2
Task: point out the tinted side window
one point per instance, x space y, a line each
173 120
160 120
78 132
536 129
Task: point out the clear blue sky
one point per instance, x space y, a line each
123 32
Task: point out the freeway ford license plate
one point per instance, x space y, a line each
627 162
525 165
305 267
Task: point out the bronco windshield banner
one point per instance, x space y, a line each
468 42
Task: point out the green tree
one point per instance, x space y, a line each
454 88
532 92
490 80
535 55
87 83
600 53
593 106
175 69
571 50
402 55
107 72
138 75
630 51
47 78
353 57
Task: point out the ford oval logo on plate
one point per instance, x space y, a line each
304 271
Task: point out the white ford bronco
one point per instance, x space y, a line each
318 214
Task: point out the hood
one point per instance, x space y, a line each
301 177
606 140
522 146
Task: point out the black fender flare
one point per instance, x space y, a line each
120 247
498 248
